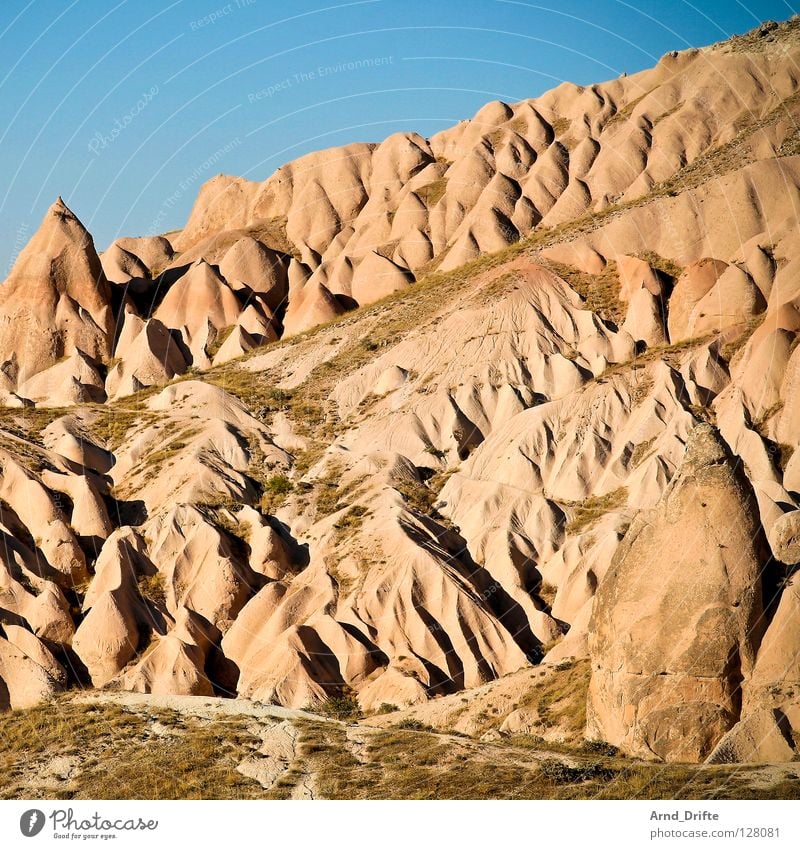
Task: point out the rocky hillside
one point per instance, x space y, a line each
406 420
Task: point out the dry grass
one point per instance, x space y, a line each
328 493
547 593
600 292
667 113
786 452
224 520
409 764
219 340
113 421
21 445
415 763
725 158
272 232
342 706
586 513
152 587
623 114
29 422
421 496
159 754
274 492
559 698
172 448
641 451
500 286
673 355
396 315
742 334
641 386
431 193
761 424
119 755
666 267
352 519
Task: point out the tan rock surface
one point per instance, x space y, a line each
55 301
678 616
452 500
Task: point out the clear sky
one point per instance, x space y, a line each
124 107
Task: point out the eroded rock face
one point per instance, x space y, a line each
502 467
677 618
56 301
763 737
349 226
775 683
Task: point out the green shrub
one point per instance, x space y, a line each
274 492
344 707
560 773
599 747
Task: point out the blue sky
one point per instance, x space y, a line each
124 107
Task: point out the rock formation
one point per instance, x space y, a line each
408 418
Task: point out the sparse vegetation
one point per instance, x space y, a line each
559 698
547 592
765 33
431 193
641 387
422 496
761 424
273 493
136 753
622 115
557 772
352 519
172 448
722 159
29 422
118 749
113 421
152 587
219 340
736 343
586 513
328 492
227 522
666 267
343 706
418 764
599 291
410 724
641 451
118 756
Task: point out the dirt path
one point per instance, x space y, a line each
204 707
276 760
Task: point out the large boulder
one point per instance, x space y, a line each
677 617
763 737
